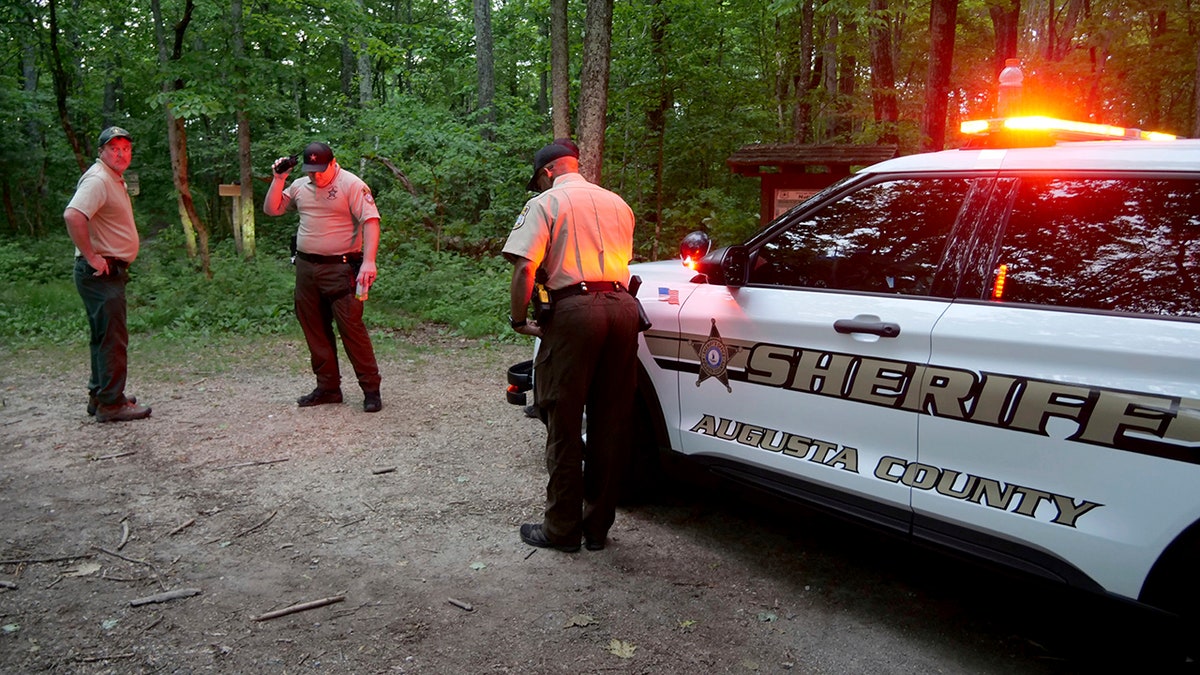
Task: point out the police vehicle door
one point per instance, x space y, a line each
1064 388
802 373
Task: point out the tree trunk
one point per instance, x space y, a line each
883 74
943 15
560 70
176 132
1196 97
365 93
484 68
593 88
657 115
246 235
803 76
1006 22
62 88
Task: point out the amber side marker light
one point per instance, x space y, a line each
998 286
1069 129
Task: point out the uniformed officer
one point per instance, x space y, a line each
581 236
100 221
336 246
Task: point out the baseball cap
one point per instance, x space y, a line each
316 157
111 133
548 154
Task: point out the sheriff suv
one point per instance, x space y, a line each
993 349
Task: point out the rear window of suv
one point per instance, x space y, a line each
1117 244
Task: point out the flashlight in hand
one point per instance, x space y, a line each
285 165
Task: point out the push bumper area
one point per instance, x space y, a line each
520 380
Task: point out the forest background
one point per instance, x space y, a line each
440 104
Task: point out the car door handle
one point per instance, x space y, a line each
880 328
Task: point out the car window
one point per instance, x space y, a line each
886 237
1120 244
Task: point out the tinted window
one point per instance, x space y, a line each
885 238
1126 245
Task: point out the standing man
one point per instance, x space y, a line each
99 219
335 265
581 235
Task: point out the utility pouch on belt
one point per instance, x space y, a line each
635 282
543 306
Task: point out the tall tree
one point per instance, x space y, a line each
485 67
560 70
244 236
593 88
883 73
943 18
176 130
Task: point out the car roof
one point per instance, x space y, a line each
1181 155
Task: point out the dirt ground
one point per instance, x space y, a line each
406 521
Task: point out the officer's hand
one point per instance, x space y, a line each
98 263
531 328
367 274
282 166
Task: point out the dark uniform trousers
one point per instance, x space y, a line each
104 301
325 295
587 361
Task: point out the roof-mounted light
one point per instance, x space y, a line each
1061 129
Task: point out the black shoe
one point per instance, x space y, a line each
124 412
532 534
372 402
593 544
94 403
320 396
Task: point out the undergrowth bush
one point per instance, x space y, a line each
169 295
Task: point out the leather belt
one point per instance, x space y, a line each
585 287
329 259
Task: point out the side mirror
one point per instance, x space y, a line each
725 266
694 247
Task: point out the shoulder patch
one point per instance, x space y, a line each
521 218
367 195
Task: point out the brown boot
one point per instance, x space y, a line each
122 413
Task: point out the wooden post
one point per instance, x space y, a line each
234 190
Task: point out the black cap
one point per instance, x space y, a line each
111 133
316 157
548 154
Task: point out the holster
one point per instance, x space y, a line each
543 306
635 282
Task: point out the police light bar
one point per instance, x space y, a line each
1067 129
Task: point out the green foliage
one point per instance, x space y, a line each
470 296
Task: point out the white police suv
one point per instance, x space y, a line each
994 349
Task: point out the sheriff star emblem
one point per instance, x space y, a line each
714 357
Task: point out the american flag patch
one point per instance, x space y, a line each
673 297
663 293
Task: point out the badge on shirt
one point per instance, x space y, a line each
521 218
367 195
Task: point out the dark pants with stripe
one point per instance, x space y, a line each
587 361
324 296
104 301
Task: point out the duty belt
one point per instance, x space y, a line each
329 259
585 287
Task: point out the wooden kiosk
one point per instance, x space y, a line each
792 173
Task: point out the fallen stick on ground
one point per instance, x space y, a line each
124 534
30 561
158 577
461 605
165 597
93 659
264 522
387 469
119 454
7 584
181 528
260 463
304 606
